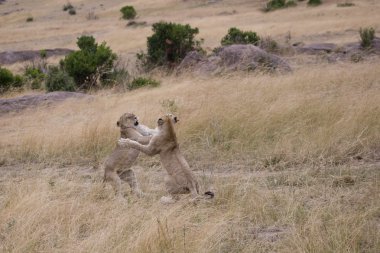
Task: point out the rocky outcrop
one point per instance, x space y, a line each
30 101
233 58
10 57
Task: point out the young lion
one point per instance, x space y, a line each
180 179
118 164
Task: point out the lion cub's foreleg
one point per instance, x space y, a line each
146 149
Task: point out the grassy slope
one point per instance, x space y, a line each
278 150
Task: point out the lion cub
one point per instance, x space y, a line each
180 179
118 164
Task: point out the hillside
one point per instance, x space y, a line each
294 158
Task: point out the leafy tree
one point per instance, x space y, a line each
89 64
170 43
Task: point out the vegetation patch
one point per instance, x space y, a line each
279 4
236 36
128 12
34 77
169 44
67 7
8 80
345 4
58 80
142 82
367 35
314 2
91 64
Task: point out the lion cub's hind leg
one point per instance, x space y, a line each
110 175
130 177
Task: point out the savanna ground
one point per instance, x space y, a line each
294 159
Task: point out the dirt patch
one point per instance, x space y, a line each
10 57
233 58
28 101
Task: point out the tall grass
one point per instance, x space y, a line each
275 149
325 113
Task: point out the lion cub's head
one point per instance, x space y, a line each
127 120
167 119
166 122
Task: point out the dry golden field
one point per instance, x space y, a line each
294 159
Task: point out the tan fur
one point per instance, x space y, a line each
180 179
117 165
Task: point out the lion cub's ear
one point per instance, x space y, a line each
160 122
118 123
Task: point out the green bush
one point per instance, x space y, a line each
29 19
236 36
8 80
170 43
89 64
34 77
314 2
367 35
18 81
279 4
128 12
291 3
141 82
67 6
43 54
58 80
72 12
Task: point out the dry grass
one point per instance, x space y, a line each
293 159
270 146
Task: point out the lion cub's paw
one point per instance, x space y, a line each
167 200
123 142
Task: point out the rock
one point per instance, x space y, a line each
233 58
28 101
10 57
317 48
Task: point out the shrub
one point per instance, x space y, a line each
34 77
141 82
290 3
170 43
18 81
236 36
68 6
29 19
43 54
314 2
345 4
89 64
8 80
367 35
128 12
58 80
72 12
268 44
279 4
